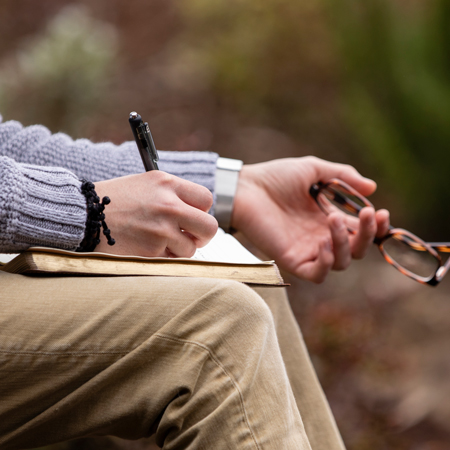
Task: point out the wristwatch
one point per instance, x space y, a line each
227 176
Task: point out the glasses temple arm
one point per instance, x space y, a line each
443 247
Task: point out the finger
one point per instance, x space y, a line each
346 173
341 244
181 245
365 234
317 270
200 225
382 218
194 195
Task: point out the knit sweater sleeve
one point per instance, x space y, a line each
39 206
41 201
100 161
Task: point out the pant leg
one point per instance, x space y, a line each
317 417
195 360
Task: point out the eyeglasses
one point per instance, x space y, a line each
408 253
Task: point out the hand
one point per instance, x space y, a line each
156 214
275 212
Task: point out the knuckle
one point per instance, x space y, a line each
311 158
190 249
351 169
159 250
328 257
209 198
347 262
211 226
359 254
162 233
171 208
319 278
340 239
343 264
208 226
165 179
204 196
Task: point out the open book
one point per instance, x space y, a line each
223 257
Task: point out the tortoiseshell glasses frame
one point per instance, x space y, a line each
335 195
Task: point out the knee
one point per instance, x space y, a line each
242 305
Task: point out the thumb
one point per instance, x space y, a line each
328 170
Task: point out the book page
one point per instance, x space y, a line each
222 248
6 257
225 248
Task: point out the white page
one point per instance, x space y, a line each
6 257
222 248
225 248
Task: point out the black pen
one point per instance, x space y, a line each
144 141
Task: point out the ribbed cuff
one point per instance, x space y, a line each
40 206
198 167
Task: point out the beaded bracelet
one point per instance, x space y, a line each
95 219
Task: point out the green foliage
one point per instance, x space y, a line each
268 60
397 77
386 93
61 76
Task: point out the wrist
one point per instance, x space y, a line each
95 219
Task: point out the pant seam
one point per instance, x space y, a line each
216 360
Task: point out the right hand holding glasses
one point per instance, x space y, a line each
408 253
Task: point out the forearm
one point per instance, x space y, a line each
101 161
22 194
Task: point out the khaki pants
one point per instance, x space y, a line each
196 361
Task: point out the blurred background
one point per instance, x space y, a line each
362 82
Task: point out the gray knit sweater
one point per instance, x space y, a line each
40 198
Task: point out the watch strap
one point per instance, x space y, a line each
227 176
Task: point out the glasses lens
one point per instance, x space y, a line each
338 199
410 254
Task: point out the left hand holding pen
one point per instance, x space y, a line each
274 210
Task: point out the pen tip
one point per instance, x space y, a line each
133 115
